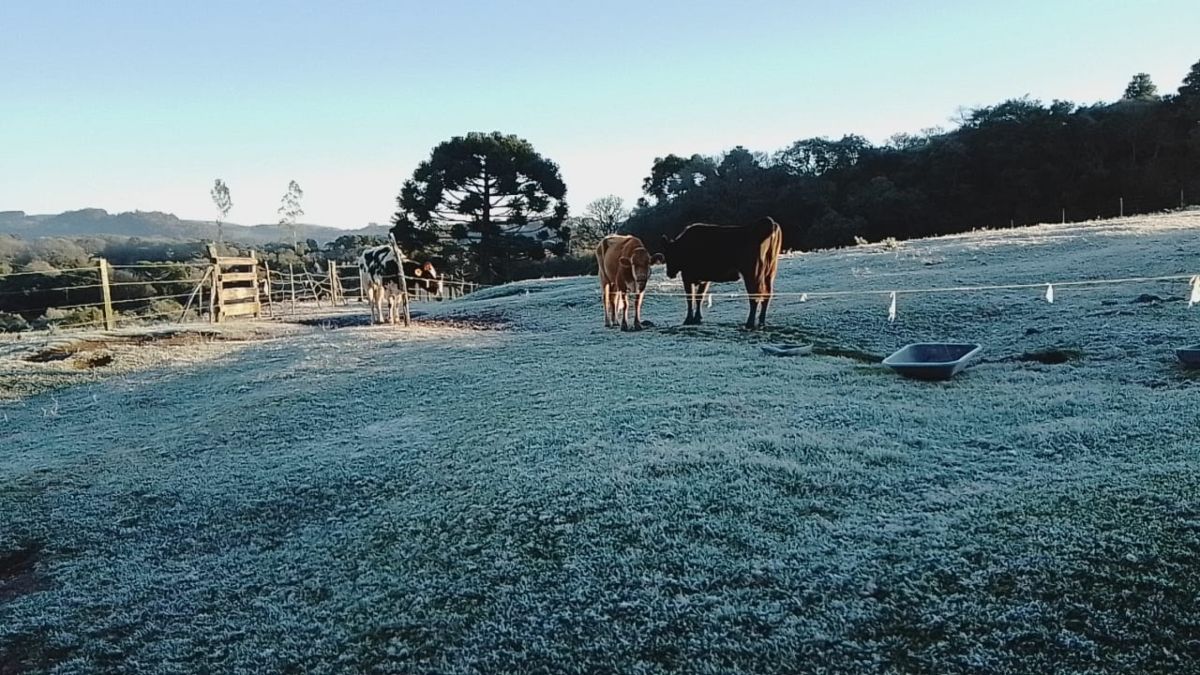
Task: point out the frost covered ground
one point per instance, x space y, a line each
509 487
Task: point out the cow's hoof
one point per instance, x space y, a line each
637 327
624 328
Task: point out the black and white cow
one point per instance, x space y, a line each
380 277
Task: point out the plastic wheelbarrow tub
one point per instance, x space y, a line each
1189 356
932 360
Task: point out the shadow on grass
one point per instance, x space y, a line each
823 345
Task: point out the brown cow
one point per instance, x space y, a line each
624 268
705 253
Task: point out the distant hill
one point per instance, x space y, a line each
159 225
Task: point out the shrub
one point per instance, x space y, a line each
77 318
165 310
12 323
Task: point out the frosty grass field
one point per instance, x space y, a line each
521 490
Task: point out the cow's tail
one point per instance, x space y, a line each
601 250
772 245
776 248
601 253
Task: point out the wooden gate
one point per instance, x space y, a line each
235 288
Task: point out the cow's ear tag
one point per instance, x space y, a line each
417 272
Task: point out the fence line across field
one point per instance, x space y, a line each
314 291
137 317
256 288
123 301
935 290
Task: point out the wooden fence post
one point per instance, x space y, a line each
214 289
333 283
106 295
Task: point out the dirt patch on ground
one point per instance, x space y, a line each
33 364
86 354
485 320
18 575
343 320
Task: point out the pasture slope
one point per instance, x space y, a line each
524 491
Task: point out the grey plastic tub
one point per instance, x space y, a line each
1189 356
932 360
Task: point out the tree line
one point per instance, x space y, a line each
1015 163
489 204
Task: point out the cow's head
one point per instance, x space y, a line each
429 279
635 269
668 244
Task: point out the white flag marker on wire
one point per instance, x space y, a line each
804 297
1050 293
1195 299
892 308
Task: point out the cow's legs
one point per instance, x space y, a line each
606 300
637 312
753 310
759 296
375 297
688 290
752 293
623 303
766 300
614 305
701 291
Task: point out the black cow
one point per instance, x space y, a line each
380 278
704 253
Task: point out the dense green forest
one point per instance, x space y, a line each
1015 163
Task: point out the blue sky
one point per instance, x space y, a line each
140 105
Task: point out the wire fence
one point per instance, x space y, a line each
110 296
